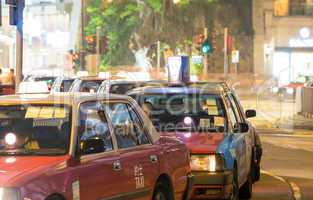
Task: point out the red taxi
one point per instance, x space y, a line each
86 147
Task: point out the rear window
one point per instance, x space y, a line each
122 88
90 86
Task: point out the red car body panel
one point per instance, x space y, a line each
199 143
37 177
15 169
293 85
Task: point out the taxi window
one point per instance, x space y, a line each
34 129
122 88
90 86
231 112
93 124
236 109
66 85
127 127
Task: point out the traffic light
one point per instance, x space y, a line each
198 40
213 39
91 44
229 44
206 47
76 59
103 45
15 7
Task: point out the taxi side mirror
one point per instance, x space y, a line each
91 146
250 113
241 128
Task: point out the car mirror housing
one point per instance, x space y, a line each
250 113
91 146
241 128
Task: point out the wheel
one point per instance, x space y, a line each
235 189
256 173
245 192
255 167
161 192
55 197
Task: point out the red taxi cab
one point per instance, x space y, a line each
86 147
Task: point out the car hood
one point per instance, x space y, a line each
199 143
14 171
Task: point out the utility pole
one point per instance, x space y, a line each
19 42
225 53
158 56
82 47
98 32
206 56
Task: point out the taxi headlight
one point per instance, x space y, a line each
211 163
9 193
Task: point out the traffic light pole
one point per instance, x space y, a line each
19 43
225 53
82 48
158 56
206 56
98 49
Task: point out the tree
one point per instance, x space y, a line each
133 26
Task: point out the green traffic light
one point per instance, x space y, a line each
207 47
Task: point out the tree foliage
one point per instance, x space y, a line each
133 24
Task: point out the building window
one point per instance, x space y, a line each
281 8
293 8
300 7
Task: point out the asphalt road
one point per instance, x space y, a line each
288 168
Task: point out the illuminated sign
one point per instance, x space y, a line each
305 32
304 40
301 42
178 69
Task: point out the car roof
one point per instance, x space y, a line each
112 82
91 78
56 98
122 81
187 88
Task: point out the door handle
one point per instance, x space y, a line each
153 158
117 166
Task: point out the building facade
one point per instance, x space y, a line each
283 38
48 35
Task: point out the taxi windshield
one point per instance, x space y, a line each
183 112
34 129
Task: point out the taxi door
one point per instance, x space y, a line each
244 143
238 144
138 156
99 176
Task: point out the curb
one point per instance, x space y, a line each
306 115
295 190
287 132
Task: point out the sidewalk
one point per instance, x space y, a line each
271 188
279 117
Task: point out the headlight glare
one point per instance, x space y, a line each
211 163
9 193
290 90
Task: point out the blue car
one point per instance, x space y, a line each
225 150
